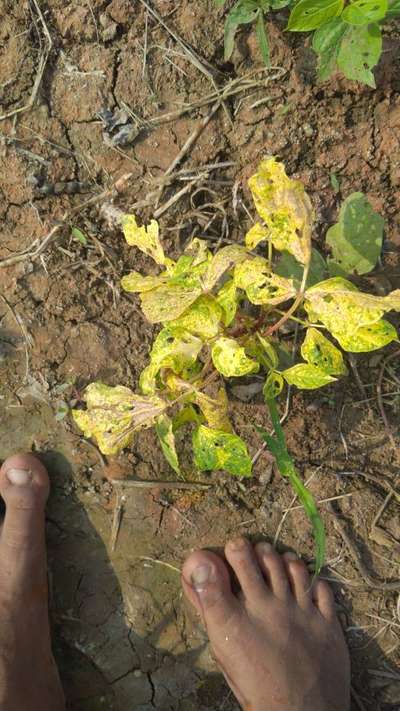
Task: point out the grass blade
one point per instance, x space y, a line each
263 39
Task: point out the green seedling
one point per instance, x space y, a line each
221 316
347 35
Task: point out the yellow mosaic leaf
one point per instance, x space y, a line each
256 234
285 208
215 410
167 440
342 308
136 283
174 348
221 262
273 386
144 238
262 286
169 301
198 250
231 360
113 414
220 450
317 350
227 298
203 318
368 338
307 376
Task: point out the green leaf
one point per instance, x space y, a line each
359 52
262 286
363 12
227 298
393 9
222 261
270 356
145 238
263 39
290 268
215 410
278 4
310 14
174 348
202 318
242 13
367 338
166 436
335 182
318 351
78 235
273 386
112 415
230 359
326 43
307 376
356 240
220 450
285 208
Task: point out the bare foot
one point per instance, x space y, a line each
279 645
28 676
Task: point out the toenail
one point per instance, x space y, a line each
291 556
238 544
19 477
265 547
200 576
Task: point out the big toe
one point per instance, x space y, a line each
206 583
24 487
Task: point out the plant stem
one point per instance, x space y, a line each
294 306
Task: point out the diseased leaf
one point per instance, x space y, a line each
215 410
184 416
170 300
271 356
174 348
356 240
318 351
262 286
310 14
263 39
256 234
145 238
285 208
167 440
231 360
289 267
359 52
262 350
326 43
307 376
367 338
227 298
203 318
136 283
198 250
273 386
112 415
223 260
220 450
362 12
242 13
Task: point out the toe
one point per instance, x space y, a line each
241 556
206 583
24 486
324 600
274 570
300 580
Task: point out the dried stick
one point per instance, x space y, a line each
148 484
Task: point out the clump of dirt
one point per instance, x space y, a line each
122 632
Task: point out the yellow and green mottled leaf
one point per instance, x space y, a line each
317 350
221 262
273 386
113 414
342 308
174 348
231 360
285 208
262 350
227 298
368 338
307 376
203 318
167 440
215 410
170 300
220 450
256 234
198 250
136 283
144 238
261 285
